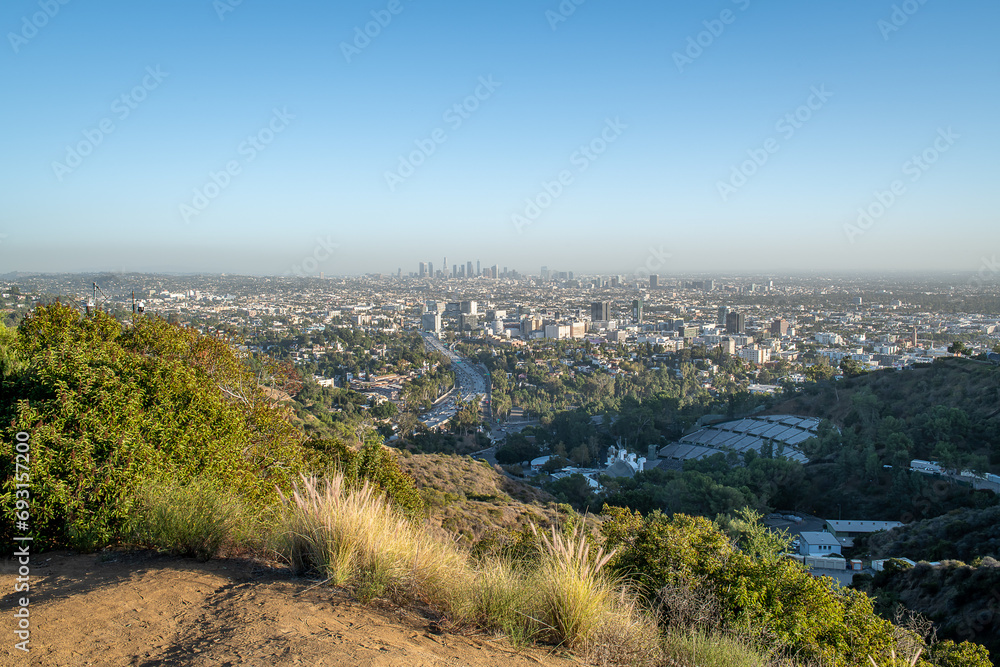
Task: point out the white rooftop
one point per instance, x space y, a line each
819 538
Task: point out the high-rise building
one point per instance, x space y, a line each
736 323
431 321
469 307
779 327
479 269
709 285
423 269
544 273
495 271
723 312
468 269
600 311
454 270
637 310
467 322
444 266
654 281
430 269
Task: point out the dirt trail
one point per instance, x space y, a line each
157 611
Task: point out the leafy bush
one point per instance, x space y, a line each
110 410
195 519
758 592
370 462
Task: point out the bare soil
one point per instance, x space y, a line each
148 610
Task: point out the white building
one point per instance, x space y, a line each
818 543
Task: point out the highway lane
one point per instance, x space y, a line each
470 383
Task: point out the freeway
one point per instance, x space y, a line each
469 381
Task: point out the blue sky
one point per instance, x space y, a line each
673 128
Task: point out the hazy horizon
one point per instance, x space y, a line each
738 137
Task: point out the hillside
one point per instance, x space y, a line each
948 411
146 611
470 499
972 386
962 534
961 599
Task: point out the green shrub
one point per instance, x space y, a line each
759 594
110 409
195 519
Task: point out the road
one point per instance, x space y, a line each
469 384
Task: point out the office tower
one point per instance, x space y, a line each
709 285
654 281
736 323
467 322
779 327
495 271
723 312
431 322
637 310
469 307
544 273
430 269
468 269
600 311
423 269
504 272
444 266
454 270
479 269
615 281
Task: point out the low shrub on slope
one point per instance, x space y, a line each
110 410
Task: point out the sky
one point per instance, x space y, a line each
254 137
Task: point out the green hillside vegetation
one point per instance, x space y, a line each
962 600
154 436
948 411
112 409
965 535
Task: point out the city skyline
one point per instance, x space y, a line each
741 137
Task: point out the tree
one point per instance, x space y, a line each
958 347
852 367
580 455
517 451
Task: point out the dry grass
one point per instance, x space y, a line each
353 537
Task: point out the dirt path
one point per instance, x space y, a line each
156 611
